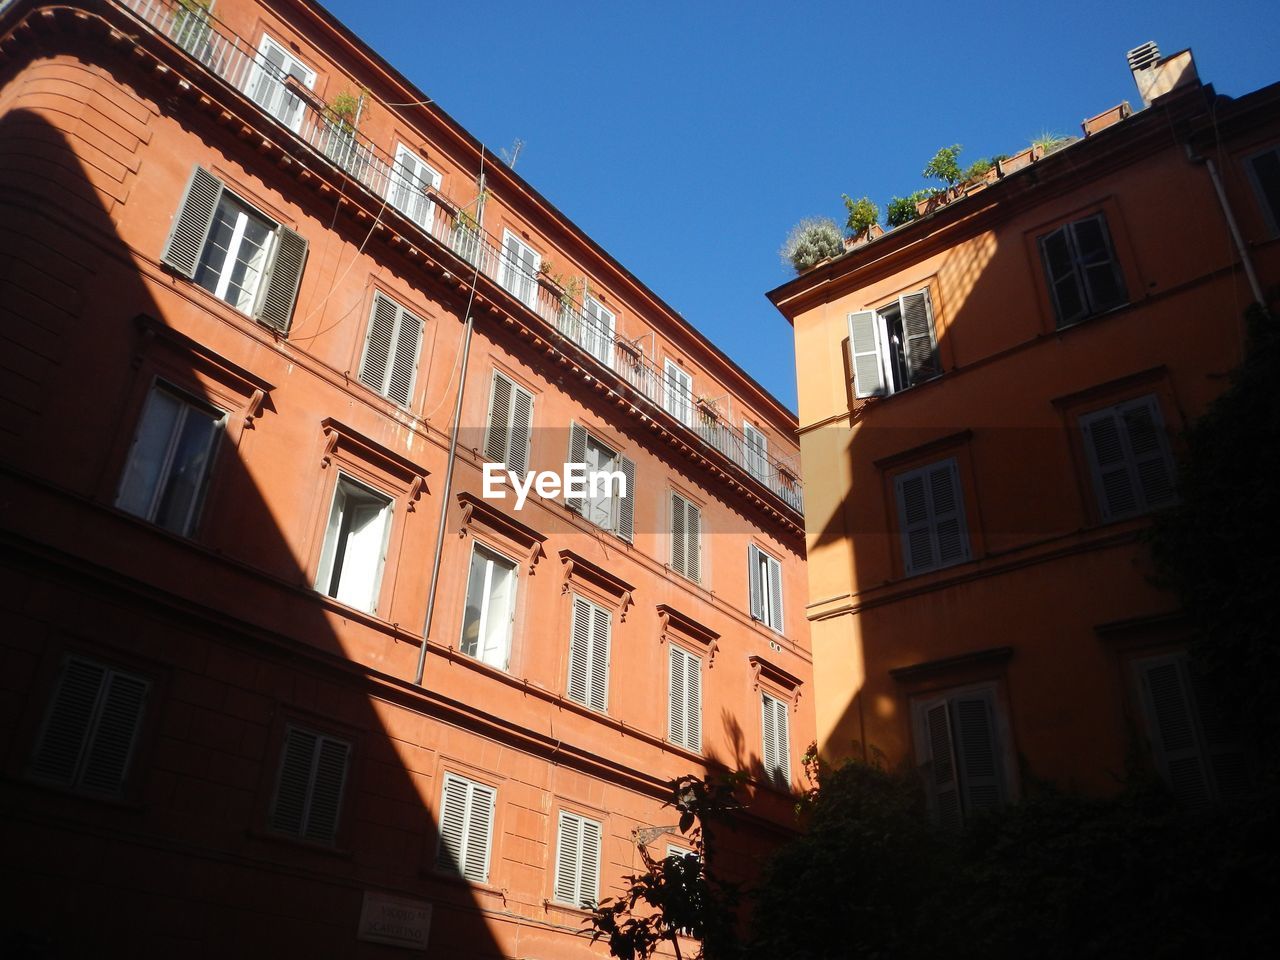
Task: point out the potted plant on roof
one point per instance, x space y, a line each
944 166
863 224
810 242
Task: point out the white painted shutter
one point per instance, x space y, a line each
600 630
941 774
111 747
679 538
931 517
693 702
192 222
975 743
577 454
775 593
946 502
676 697
285 274
521 429
589 871
756 582
1058 253
1170 711
1152 465
1096 263
362 557
479 833
453 824
62 741
313 770
693 541
580 651
405 365
916 522
379 343
1109 465
568 858
920 342
328 782
626 505
497 441
864 347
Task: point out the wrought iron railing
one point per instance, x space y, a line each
283 94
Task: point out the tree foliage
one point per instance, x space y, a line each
863 214
945 166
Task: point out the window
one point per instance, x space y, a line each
491 607
518 271
931 516
165 478
777 739
90 732
410 182
466 828
686 538
677 394
756 449
604 505
273 68
1129 458
1081 269
236 253
685 699
510 426
960 754
355 545
589 655
893 347
577 861
765 575
1264 171
1197 752
391 350
595 331
313 775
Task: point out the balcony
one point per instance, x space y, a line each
280 86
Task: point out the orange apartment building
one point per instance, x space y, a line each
279 678
991 398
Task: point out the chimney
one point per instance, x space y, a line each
1156 75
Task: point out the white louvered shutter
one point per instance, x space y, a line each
693 702
379 343
577 454
864 348
568 858
111 747
920 341
679 539
947 505
676 701
327 785
777 762
290 255
693 535
975 742
931 517
580 651
774 569
521 429
1171 715
626 504
941 774
453 824
405 365
479 833
1112 479
191 223
915 521
498 439
1229 762
600 630
1058 253
589 872
1152 465
756 582
313 773
288 814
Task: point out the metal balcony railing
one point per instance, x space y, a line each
280 89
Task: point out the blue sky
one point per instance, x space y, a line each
687 138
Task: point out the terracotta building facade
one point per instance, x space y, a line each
991 401
280 677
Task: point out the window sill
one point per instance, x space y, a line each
458 880
127 803
338 853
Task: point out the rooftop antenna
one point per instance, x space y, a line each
512 154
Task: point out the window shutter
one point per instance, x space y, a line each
289 812
777 763
947 505
580 651
864 346
521 429
479 833
940 765
693 547
693 702
679 538
577 454
1170 710
453 824
1056 250
756 582
600 629
921 344
676 697
497 442
192 222
1097 263
326 792
781 729
589 872
775 593
400 381
57 756
913 515
111 748
276 308
1109 465
626 505
568 858
378 343
975 744
931 516
1144 430
1228 760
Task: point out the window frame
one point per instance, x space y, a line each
579 902
1270 213
680 408
779 772
260 74
932 521
288 725
458 866
690 567
392 365
691 711
328 557
598 331
869 338
590 683
1091 305
512 275
622 509
495 555
400 191
755 452
761 589
1130 463
195 510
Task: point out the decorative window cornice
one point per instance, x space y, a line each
578 567
762 669
340 437
476 511
673 623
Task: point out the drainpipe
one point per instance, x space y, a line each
453 451
1227 213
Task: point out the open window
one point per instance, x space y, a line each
355 545
490 607
409 190
275 69
610 499
893 347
